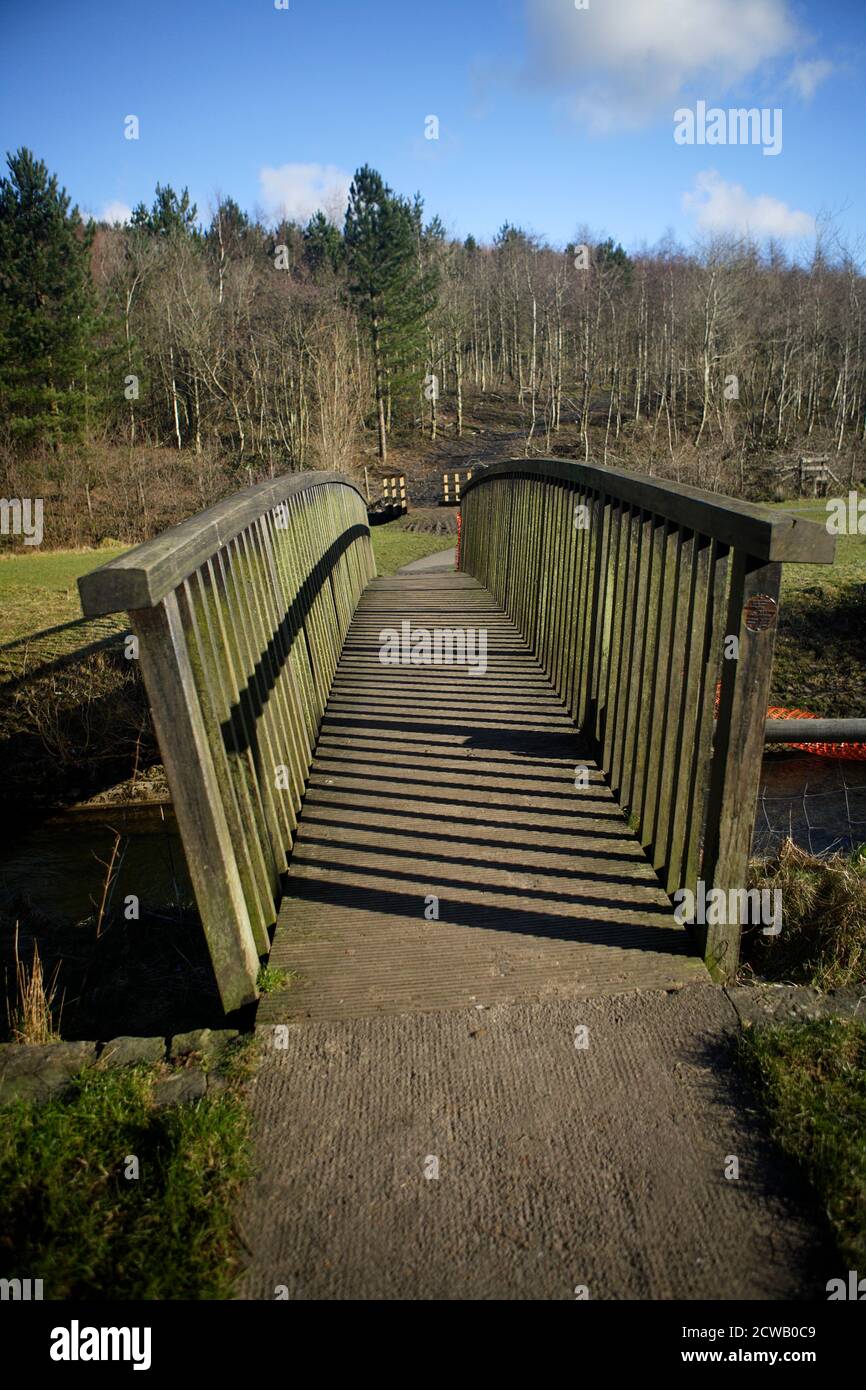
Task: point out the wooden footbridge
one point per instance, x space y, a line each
432 790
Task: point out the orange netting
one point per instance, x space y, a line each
821 750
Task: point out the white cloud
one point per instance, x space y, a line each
727 208
115 212
296 191
628 60
806 78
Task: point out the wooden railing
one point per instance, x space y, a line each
629 591
240 615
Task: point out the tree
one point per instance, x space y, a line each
170 215
323 245
226 237
392 290
47 313
611 257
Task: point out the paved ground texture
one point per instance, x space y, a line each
531 1092
558 1166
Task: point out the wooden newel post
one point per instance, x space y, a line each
735 772
177 718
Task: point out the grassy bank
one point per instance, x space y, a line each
823 941
394 547
811 1080
71 1217
821 644
38 588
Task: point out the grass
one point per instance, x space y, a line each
811 1079
273 978
823 937
394 547
820 651
850 562
38 589
30 1014
70 1216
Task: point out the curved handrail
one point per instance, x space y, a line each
766 534
642 599
141 577
240 614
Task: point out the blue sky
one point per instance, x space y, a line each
550 116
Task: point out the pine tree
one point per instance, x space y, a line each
323 245
47 313
392 291
170 215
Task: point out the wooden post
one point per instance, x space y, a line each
739 742
168 678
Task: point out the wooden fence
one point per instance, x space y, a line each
630 591
240 615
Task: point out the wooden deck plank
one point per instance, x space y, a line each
431 781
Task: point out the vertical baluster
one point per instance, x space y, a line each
287 638
711 658
660 689
272 623
739 743
623 578
287 563
253 697
603 618
670 687
599 528
633 644
195 601
241 716
562 608
683 686
272 720
633 731
545 573
265 628
587 536
314 638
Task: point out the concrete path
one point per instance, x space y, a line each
558 1166
439 561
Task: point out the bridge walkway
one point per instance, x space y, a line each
439 789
